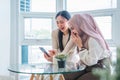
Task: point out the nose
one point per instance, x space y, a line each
59 25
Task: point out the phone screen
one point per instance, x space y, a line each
44 51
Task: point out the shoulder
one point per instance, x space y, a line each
55 31
93 42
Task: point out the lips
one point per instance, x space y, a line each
62 28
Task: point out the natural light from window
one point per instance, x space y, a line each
38 28
36 55
105 25
84 5
43 6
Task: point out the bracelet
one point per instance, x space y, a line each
82 49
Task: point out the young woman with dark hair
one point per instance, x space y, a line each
61 42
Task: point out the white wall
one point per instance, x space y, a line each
4 36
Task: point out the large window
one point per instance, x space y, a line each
38 5
105 23
35 55
33 20
85 5
37 28
43 6
37 22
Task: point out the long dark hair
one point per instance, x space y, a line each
67 16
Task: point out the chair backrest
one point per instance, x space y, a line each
6 77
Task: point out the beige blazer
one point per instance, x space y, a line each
68 47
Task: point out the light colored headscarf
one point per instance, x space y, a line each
86 23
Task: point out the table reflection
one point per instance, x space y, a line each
43 68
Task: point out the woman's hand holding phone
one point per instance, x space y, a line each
44 51
51 54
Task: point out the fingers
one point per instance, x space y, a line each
52 52
76 39
48 58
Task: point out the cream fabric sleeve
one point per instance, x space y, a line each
93 54
55 40
69 48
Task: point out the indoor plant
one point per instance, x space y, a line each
61 59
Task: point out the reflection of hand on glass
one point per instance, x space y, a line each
80 66
48 68
77 65
71 66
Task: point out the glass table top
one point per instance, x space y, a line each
44 68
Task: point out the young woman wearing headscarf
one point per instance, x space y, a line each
91 46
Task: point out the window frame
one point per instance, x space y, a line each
15 33
117 6
107 12
23 41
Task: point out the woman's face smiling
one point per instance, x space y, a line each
61 23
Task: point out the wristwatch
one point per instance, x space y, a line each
80 49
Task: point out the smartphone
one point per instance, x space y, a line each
44 51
